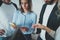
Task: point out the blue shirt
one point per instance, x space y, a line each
27 20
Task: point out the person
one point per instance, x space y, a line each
25 18
48 18
7 10
52 33
8 2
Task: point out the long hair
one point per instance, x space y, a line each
29 5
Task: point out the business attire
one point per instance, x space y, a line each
48 18
22 19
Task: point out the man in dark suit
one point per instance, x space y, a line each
48 18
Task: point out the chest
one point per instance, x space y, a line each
24 19
8 9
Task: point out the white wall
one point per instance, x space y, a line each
37 5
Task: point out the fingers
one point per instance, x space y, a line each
35 26
2 32
23 29
13 25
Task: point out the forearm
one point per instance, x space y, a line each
50 31
10 31
52 34
47 29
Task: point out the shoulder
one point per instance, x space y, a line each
14 5
18 12
33 13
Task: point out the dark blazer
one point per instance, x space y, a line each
52 21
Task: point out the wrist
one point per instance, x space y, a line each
43 27
47 29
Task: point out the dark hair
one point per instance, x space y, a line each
29 5
51 2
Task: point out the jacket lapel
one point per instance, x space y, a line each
42 13
52 21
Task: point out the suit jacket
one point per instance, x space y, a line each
52 21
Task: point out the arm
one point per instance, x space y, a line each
34 19
50 31
34 22
15 16
11 28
